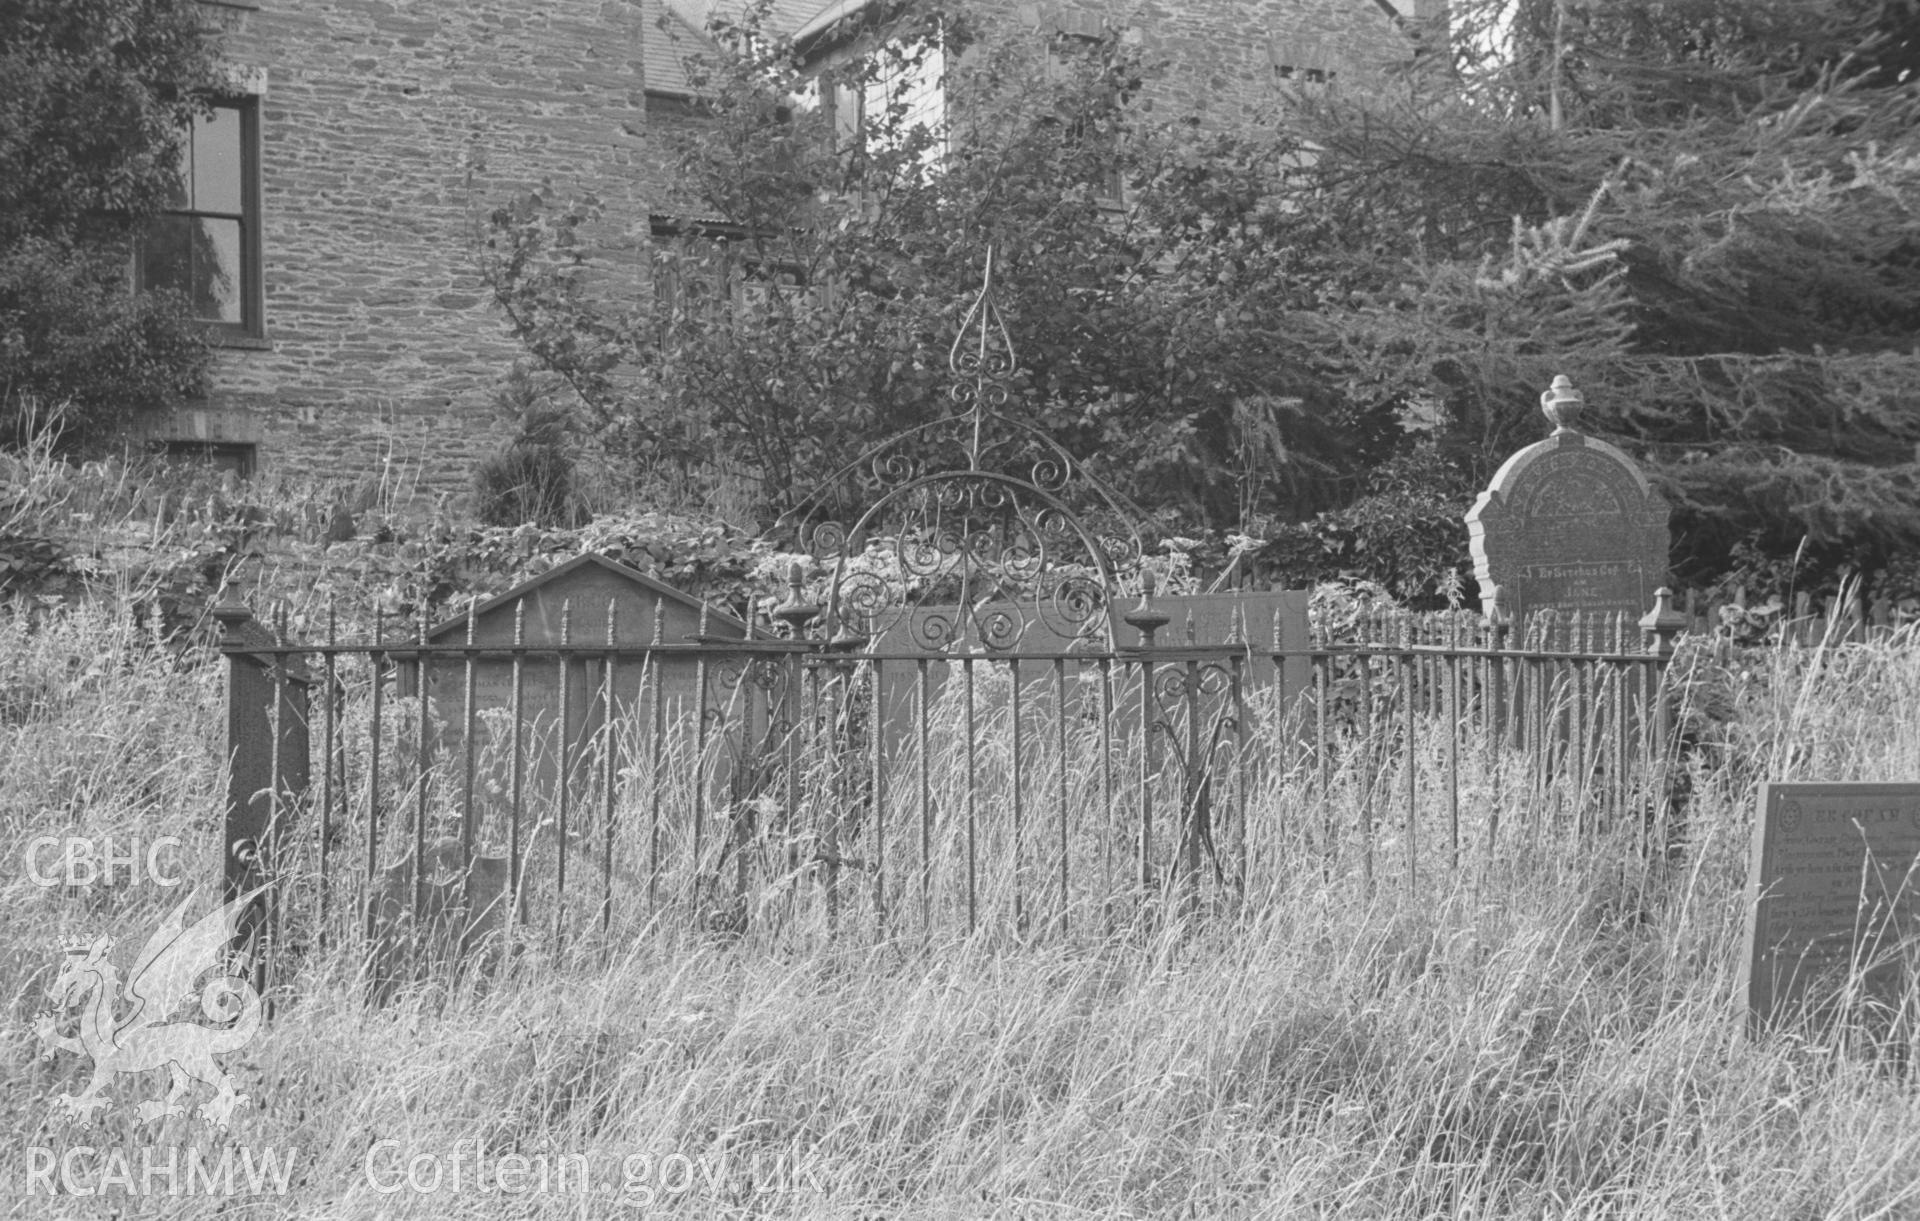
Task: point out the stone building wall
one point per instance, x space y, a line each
1228 58
388 130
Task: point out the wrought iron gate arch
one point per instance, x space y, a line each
1004 564
1002 523
1020 573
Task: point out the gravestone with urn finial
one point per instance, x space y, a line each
1569 524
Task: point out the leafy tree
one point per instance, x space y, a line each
95 98
812 315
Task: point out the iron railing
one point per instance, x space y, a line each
787 787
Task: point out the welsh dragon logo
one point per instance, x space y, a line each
160 983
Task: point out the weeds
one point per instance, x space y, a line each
1541 1032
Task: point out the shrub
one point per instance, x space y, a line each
526 482
1408 534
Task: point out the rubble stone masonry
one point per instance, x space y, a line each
1226 58
388 130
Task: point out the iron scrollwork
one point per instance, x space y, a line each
985 554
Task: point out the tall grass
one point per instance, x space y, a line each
1544 1033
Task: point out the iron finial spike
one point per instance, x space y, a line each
972 355
986 297
795 612
1146 618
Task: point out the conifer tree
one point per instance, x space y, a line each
1706 212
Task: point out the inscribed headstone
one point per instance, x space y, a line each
1569 524
578 595
1250 618
1833 883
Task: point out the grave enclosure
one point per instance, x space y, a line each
993 735
615 754
748 782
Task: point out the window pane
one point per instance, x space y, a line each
216 269
164 258
177 196
216 162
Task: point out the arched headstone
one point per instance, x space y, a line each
1569 524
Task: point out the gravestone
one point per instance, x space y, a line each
1214 619
1833 882
1569 524
589 592
1258 619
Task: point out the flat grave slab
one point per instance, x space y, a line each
1834 883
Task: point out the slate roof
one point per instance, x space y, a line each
676 28
668 36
